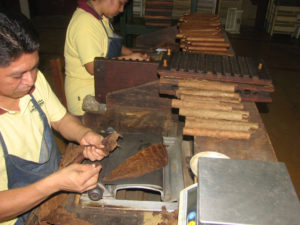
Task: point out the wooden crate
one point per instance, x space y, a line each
281 19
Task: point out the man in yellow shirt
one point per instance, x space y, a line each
29 156
90 35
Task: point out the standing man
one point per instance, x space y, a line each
29 156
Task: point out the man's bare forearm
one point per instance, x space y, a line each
17 201
71 128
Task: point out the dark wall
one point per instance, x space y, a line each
52 7
10 5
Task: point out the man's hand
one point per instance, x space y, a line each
77 177
93 145
136 56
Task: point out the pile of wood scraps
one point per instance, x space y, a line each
212 109
250 75
158 13
202 33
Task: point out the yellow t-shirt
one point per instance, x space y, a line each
85 40
22 130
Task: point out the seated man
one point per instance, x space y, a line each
29 156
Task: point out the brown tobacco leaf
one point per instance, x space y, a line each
76 156
110 143
143 162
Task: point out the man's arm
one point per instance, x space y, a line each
89 67
71 128
126 51
127 54
74 178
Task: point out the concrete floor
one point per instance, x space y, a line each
282 56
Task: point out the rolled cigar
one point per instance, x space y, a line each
207 52
227 53
194 23
206 98
217 133
198 29
205 48
211 38
207 85
208 93
209 43
233 106
214 114
176 103
200 33
194 122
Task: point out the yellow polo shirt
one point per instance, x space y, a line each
85 40
22 130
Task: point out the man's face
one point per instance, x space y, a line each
17 78
115 7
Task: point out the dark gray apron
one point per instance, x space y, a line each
114 43
21 172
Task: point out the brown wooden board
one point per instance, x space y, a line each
112 75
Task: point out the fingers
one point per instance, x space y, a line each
78 177
91 183
88 176
93 153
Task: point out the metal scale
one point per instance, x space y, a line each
167 182
240 192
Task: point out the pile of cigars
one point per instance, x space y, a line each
250 75
212 109
199 32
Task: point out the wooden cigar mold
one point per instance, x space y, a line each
250 75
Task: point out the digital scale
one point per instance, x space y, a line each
239 192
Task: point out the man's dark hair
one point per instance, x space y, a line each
17 36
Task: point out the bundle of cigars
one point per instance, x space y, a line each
201 32
212 109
